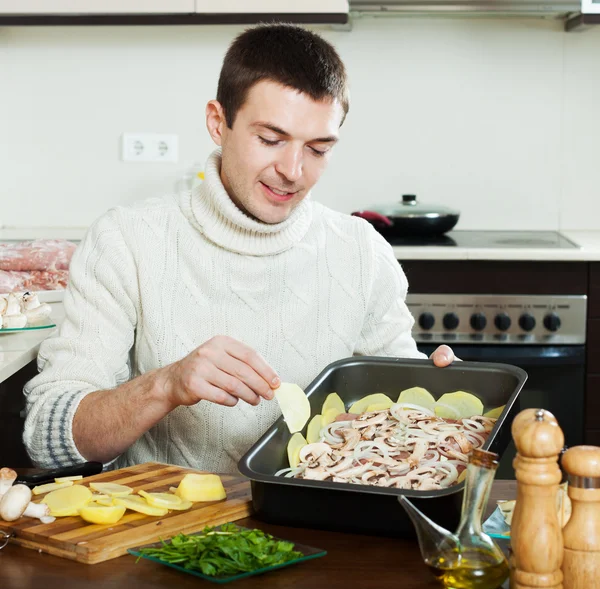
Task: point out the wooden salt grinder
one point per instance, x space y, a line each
581 535
536 536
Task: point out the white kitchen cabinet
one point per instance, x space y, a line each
74 7
273 6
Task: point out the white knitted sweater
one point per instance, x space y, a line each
151 282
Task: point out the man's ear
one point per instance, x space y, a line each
215 121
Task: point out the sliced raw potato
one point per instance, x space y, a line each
333 401
107 502
494 413
507 508
418 396
67 501
329 416
201 487
112 489
48 487
313 432
378 407
361 405
76 477
167 500
294 405
296 443
96 496
458 405
140 505
183 506
99 514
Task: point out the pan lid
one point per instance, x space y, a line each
409 206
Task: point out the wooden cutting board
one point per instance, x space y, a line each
73 538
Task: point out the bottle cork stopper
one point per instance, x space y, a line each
582 461
537 434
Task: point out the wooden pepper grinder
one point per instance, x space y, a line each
581 535
536 536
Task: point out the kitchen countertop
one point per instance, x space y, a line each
367 562
588 242
588 251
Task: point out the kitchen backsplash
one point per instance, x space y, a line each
498 118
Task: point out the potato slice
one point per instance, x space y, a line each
418 396
378 407
48 487
494 413
112 489
296 443
67 501
183 506
313 432
76 477
99 514
294 405
140 505
167 500
361 405
329 416
458 405
201 487
333 401
106 502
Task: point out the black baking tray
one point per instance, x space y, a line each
368 509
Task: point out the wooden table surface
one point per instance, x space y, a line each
351 561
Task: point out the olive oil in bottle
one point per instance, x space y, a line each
475 571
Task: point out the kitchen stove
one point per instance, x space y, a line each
490 239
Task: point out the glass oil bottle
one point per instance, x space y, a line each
468 559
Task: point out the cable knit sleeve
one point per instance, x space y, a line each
92 349
388 323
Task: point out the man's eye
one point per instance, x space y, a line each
268 142
318 153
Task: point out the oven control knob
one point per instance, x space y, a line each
451 321
502 321
526 322
478 321
552 322
426 320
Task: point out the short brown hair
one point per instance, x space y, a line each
283 53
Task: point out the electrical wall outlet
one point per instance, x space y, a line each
149 147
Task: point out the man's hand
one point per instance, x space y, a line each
443 356
222 370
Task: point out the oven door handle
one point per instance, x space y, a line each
519 355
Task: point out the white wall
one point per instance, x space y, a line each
500 118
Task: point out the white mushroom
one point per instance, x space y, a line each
30 301
15 321
13 306
38 313
37 510
14 502
7 478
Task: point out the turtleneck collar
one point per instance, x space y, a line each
226 225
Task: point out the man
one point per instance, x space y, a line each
184 313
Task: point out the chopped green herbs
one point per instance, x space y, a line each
224 551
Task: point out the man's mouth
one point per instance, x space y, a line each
276 193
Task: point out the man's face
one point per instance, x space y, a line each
278 148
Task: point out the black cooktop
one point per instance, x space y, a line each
490 239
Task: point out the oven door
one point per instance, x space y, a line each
556 382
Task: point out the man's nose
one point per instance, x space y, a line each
290 163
